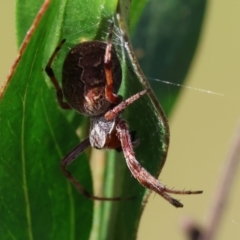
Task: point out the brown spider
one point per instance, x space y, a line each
91 78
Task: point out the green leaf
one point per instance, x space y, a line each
148 120
137 7
145 117
166 37
37 202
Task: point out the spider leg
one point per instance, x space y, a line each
51 75
110 96
144 177
111 114
69 158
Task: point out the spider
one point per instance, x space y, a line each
91 78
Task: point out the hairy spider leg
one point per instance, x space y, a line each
111 114
142 175
68 159
110 96
51 75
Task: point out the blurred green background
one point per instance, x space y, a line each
201 124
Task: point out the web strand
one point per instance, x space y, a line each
188 87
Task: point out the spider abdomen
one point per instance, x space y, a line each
84 79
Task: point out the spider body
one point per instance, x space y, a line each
84 78
91 79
